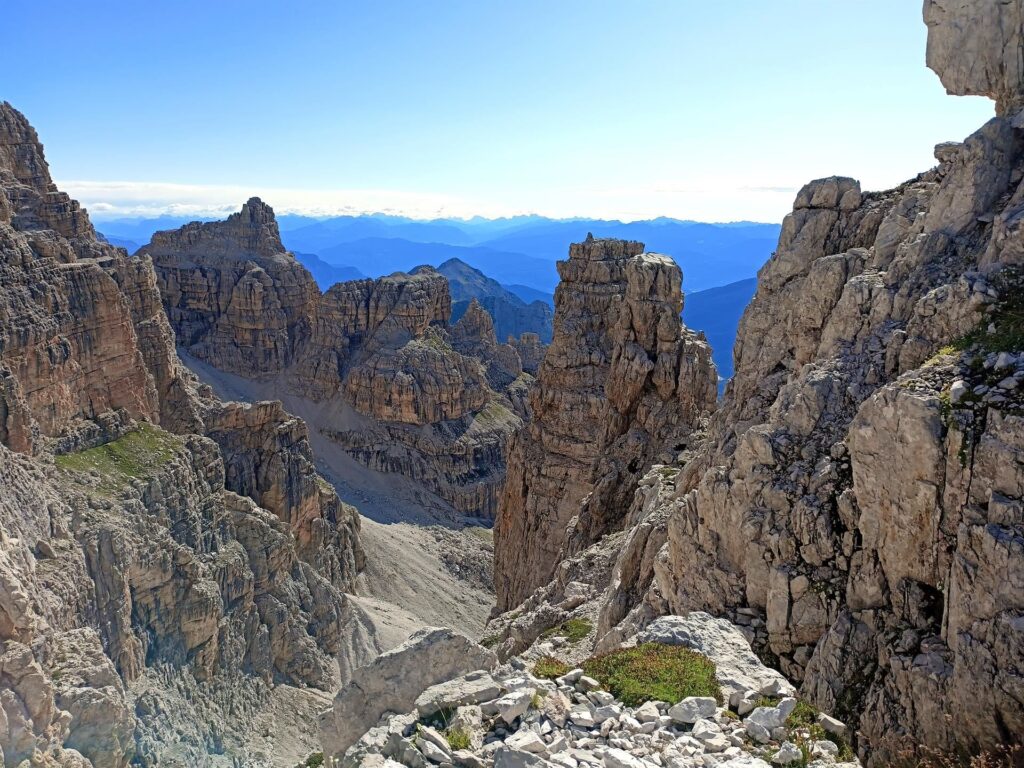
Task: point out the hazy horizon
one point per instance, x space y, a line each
569 110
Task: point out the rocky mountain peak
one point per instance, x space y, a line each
622 382
31 200
252 233
977 49
21 154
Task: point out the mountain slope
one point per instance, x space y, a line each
512 316
172 567
382 256
326 274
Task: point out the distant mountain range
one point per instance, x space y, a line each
326 274
520 251
511 314
717 312
509 264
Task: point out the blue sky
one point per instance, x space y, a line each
631 109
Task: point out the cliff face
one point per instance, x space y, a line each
622 384
857 504
167 558
402 398
231 292
68 347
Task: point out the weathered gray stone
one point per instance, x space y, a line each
394 680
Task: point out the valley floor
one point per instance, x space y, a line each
424 566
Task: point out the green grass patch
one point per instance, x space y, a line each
315 760
654 672
139 454
489 641
494 414
548 667
802 716
573 630
458 738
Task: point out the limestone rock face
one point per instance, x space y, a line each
233 295
622 383
531 351
858 493
474 335
154 584
267 457
394 681
826 501
402 397
976 49
68 346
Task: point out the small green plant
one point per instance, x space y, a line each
806 717
572 630
489 641
803 715
315 760
458 738
537 700
654 672
440 720
548 667
1006 320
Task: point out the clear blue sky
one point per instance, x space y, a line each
627 108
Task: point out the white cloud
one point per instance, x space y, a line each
706 199
108 199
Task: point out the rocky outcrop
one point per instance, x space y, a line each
474 335
622 384
977 49
394 680
531 351
155 585
232 294
404 398
524 713
857 502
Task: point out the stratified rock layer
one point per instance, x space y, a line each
232 293
155 584
622 383
403 398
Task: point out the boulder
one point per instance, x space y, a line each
394 680
476 687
